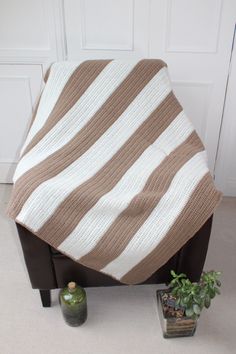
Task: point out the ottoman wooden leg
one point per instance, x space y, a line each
45 298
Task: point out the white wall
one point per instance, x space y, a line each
193 36
226 160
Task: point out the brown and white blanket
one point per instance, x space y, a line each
112 172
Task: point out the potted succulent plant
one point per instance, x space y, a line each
180 305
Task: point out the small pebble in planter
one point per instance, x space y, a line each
73 303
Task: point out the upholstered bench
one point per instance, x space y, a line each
49 269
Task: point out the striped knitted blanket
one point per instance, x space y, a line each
112 172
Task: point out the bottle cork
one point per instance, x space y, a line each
71 285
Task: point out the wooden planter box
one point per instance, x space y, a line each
174 327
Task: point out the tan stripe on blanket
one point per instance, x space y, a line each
119 234
75 87
83 198
87 136
203 201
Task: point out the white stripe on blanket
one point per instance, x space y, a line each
95 157
106 83
77 244
162 218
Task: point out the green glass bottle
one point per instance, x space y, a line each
73 303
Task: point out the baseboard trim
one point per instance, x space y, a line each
7 170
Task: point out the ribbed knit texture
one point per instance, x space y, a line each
112 172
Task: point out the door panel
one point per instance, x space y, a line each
19 89
106 29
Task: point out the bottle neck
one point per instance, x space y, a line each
71 291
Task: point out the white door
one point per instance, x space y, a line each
194 37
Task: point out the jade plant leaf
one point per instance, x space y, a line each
194 296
